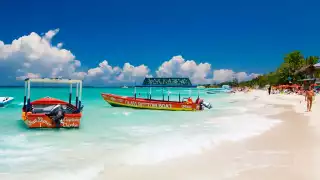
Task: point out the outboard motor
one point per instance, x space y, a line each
207 105
203 104
57 115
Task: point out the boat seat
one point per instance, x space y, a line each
42 109
72 110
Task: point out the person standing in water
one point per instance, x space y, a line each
309 98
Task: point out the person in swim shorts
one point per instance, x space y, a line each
309 98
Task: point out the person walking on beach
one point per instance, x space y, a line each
309 98
269 90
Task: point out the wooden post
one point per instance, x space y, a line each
25 95
70 93
162 95
150 93
28 98
77 95
80 94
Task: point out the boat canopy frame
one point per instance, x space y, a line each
163 99
27 87
165 83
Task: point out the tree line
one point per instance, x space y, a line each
294 67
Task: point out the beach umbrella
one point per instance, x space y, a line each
295 85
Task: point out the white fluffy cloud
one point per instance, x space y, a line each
223 75
35 56
130 72
179 67
105 73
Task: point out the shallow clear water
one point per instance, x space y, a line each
111 136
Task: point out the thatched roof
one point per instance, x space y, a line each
308 79
304 69
317 66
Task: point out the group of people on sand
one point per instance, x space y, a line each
297 90
309 94
240 89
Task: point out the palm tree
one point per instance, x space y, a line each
312 60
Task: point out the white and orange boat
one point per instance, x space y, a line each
187 104
50 112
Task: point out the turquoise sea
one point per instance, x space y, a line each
110 136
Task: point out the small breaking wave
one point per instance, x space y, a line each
197 138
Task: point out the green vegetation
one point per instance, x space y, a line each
295 66
211 85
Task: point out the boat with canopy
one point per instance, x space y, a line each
183 104
48 112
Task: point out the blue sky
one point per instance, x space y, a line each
243 36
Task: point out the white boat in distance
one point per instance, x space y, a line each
5 100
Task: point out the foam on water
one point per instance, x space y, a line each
196 139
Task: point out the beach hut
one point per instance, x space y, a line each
317 66
310 72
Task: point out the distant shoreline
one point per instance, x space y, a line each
56 87
39 86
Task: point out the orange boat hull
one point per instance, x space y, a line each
123 101
41 120
44 121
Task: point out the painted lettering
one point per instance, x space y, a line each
70 125
70 120
38 120
145 104
186 106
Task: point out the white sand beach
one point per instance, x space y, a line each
288 150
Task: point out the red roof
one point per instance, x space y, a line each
48 100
